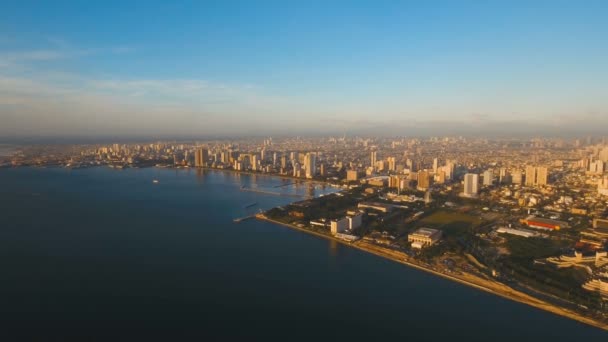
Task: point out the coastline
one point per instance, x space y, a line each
488 286
276 175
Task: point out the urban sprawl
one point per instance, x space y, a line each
523 218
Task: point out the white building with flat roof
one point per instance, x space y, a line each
339 226
424 237
354 221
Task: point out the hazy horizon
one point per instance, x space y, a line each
269 68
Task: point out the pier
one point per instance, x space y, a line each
241 219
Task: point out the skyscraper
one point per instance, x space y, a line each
424 180
530 175
542 175
200 157
471 185
310 164
392 162
536 175
373 158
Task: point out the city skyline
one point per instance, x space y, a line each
213 69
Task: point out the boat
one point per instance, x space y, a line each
251 205
155 181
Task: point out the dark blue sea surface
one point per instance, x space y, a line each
104 254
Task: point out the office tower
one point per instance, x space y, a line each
200 157
284 162
294 156
255 162
310 163
435 165
322 170
471 185
424 180
488 178
373 158
530 175
274 159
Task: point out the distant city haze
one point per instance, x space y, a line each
158 69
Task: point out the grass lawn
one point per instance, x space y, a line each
449 220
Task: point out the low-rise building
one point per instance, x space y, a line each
424 237
543 223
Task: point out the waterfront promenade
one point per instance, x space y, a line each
486 285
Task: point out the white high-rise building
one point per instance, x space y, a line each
488 178
471 185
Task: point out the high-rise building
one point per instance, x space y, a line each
488 178
373 158
424 180
530 175
542 175
310 164
602 187
435 165
352 175
536 175
517 177
596 167
392 163
449 170
603 155
471 185
503 176
200 157
440 177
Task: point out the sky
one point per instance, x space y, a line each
210 68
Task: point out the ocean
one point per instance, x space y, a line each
105 254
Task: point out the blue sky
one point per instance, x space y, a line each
258 67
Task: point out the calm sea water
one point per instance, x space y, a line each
103 254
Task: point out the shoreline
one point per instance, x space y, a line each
488 286
253 173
